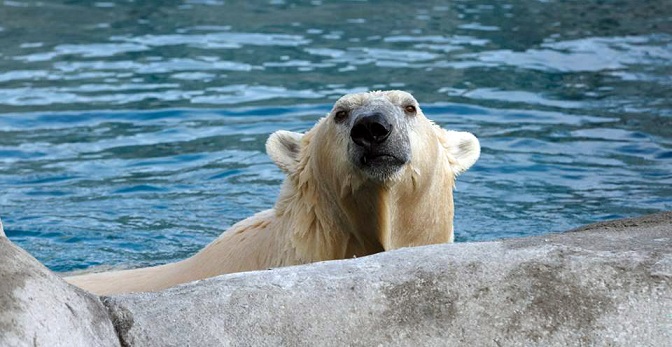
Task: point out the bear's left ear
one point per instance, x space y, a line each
462 146
283 148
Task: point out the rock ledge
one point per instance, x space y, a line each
604 284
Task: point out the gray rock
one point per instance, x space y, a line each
37 308
609 284
605 284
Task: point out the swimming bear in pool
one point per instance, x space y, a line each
373 175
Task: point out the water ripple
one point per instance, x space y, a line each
216 40
585 55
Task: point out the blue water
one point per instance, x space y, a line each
132 133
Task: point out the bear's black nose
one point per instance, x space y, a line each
370 129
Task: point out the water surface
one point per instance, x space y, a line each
132 133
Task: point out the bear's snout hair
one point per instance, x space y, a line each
379 145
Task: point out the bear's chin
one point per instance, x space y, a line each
381 168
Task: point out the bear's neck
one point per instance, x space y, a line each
324 225
413 211
364 214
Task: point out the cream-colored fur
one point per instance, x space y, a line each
327 209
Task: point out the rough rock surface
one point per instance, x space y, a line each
37 308
607 284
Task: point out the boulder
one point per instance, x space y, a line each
606 284
37 308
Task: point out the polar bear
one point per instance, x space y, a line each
373 175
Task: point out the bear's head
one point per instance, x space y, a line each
374 168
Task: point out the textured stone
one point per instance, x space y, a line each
605 284
37 308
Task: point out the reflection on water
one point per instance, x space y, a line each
132 133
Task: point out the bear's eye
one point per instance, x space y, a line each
410 109
341 115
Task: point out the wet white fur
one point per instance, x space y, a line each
326 208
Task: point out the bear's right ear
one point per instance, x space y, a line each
283 147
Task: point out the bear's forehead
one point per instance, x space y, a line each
396 97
